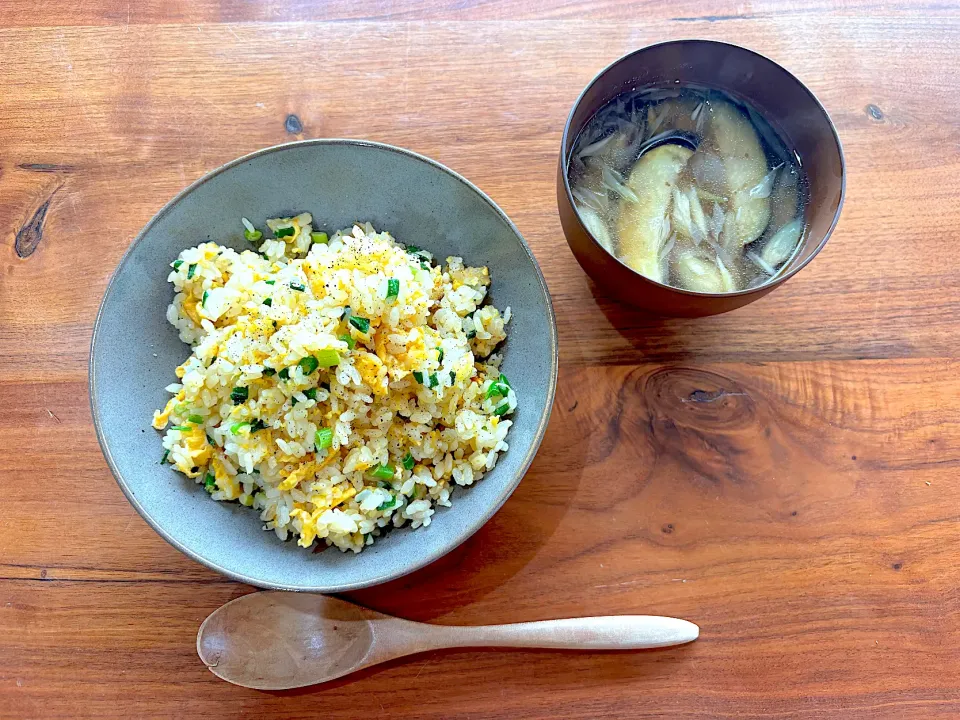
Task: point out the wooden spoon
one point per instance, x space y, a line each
283 640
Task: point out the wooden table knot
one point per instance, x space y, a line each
704 419
29 236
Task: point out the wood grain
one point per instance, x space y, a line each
783 475
111 12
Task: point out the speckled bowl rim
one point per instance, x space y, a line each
457 539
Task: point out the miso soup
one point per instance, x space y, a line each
690 188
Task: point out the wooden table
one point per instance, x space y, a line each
785 475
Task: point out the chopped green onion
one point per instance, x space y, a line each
249 231
269 372
383 472
166 454
181 408
471 335
209 483
496 389
297 286
239 395
392 502
284 374
196 419
501 409
393 288
418 253
323 438
453 377
311 393
308 364
408 461
270 282
237 427
351 343
284 232
191 270
440 355
210 440
177 264
180 427
258 425
293 401
418 376
503 380
360 323
203 300
268 302
319 237
327 358
434 381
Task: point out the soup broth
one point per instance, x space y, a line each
690 188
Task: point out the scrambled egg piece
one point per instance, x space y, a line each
160 419
198 452
474 277
226 483
301 473
190 308
372 372
308 521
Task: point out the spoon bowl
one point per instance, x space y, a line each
279 640
299 639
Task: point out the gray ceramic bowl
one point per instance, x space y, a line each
135 350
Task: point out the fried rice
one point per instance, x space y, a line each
337 386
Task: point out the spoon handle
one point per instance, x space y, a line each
616 632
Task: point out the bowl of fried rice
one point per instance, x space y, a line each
323 365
